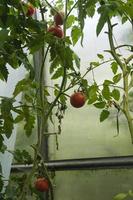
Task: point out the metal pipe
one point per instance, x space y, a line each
83 164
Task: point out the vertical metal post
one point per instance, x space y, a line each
37 58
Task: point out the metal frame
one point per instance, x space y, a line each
82 164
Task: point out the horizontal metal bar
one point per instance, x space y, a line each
83 164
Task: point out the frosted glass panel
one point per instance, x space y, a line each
92 185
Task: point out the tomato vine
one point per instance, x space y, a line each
22 35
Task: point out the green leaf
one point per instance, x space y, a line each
100 104
21 86
114 67
104 115
92 93
68 58
117 78
130 192
103 18
4 35
22 156
6 115
106 92
1 141
116 94
54 64
3 72
120 196
107 82
95 64
76 34
91 10
1 183
58 73
70 21
19 118
77 60
100 56
29 120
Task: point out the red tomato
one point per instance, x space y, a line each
56 31
59 18
42 184
31 10
77 99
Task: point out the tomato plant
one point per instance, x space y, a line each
23 35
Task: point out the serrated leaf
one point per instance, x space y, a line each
100 104
76 34
6 114
116 94
22 156
114 67
106 92
104 115
120 196
21 86
117 78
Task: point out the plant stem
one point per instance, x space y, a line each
124 45
125 73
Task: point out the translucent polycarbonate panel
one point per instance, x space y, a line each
6 90
82 133
84 136
92 185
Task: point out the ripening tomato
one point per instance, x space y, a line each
59 18
31 10
42 184
77 99
56 31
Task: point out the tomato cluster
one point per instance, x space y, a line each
56 30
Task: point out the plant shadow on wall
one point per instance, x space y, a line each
22 35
